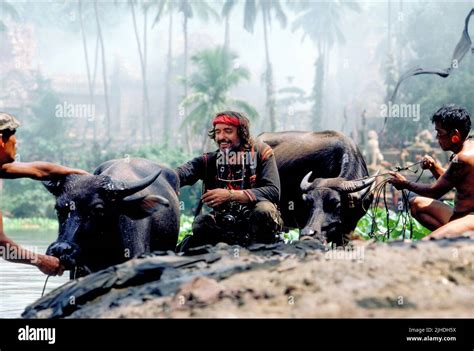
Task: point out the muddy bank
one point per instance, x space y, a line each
303 279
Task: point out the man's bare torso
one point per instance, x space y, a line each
461 174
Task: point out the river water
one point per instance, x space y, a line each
22 284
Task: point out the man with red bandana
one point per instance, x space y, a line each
241 172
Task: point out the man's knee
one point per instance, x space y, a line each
265 220
265 210
204 232
415 205
457 227
204 223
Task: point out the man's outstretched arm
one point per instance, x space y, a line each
13 252
36 170
456 171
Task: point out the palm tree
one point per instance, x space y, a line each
142 53
287 99
167 7
188 9
7 10
203 11
320 21
90 78
215 76
225 13
104 72
251 10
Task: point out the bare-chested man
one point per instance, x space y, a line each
452 125
9 169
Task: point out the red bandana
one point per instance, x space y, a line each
233 121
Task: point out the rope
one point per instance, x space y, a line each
396 169
44 287
380 193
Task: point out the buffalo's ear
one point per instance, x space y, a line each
54 186
142 206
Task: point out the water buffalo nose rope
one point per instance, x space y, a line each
380 193
44 287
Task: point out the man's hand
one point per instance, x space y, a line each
78 171
49 265
428 162
398 181
216 197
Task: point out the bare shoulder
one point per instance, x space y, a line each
467 154
461 165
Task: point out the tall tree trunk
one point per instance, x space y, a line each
205 141
145 106
389 28
269 76
96 60
94 76
185 112
167 104
227 34
390 65
104 71
317 109
89 78
400 32
145 60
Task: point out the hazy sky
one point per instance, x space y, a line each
353 68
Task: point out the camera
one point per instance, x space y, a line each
234 221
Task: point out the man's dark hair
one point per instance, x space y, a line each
452 117
6 134
243 130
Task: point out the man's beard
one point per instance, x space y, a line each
231 146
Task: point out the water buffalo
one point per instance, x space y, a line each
319 193
127 208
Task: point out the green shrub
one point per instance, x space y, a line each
395 224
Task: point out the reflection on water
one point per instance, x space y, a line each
21 284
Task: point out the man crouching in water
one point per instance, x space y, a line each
240 183
9 169
452 125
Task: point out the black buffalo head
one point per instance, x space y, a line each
328 200
88 209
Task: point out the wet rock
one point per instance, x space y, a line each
280 280
201 290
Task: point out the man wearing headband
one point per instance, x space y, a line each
242 172
35 170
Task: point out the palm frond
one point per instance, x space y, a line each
193 99
9 10
228 7
210 84
205 12
279 13
198 117
249 110
250 15
162 7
